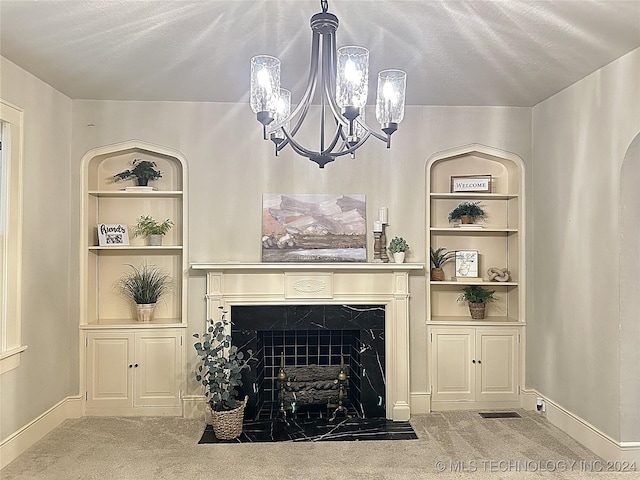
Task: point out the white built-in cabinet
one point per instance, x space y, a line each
477 363
128 367
130 372
474 367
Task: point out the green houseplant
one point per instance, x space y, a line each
439 257
468 212
145 286
477 298
220 370
148 227
143 171
398 247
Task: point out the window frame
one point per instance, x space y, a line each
12 129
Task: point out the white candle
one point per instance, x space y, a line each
377 226
384 215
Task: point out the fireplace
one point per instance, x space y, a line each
354 290
295 336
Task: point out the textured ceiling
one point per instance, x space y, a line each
454 52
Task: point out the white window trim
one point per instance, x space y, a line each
11 340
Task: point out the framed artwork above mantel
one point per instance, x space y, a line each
314 228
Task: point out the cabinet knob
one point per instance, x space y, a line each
479 361
130 366
473 361
136 365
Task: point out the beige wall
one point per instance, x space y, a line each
48 369
580 135
580 138
230 167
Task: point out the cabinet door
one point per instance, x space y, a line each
158 374
497 367
109 357
452 372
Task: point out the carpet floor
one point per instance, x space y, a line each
449 445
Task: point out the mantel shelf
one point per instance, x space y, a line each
309 267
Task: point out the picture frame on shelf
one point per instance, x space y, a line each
471 183
466 264
113 234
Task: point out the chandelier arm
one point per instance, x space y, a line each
299 149
309 90
305 152
329 77
334 141
369 130
353 148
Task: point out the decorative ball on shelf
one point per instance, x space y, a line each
498 274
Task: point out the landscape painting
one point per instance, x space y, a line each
314 228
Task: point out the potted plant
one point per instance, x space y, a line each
398 247
467 212
148 227
143 171
439 257
145 286
477 298
220 372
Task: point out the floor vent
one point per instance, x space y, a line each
500 415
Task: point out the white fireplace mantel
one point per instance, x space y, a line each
387 284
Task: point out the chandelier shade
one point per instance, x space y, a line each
342 77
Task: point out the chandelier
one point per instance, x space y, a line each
343 81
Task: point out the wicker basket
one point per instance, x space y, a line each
477 310
227 425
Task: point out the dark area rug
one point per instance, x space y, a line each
317 430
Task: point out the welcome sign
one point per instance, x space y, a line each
471 183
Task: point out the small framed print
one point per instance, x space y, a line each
111 235
466 263
471 183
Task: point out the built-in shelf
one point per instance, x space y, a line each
129 323
475 363
126 194
466 320
474 196
138 248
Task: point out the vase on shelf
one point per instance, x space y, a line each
398 257
145 311
437 274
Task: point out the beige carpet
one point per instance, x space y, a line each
449 445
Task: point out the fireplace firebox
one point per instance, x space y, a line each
293 336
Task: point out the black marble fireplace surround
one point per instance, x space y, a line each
312 334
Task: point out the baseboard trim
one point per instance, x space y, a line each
24 438
591 437
420 402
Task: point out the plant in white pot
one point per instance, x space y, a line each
154 230
145 286
398 247
220 370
